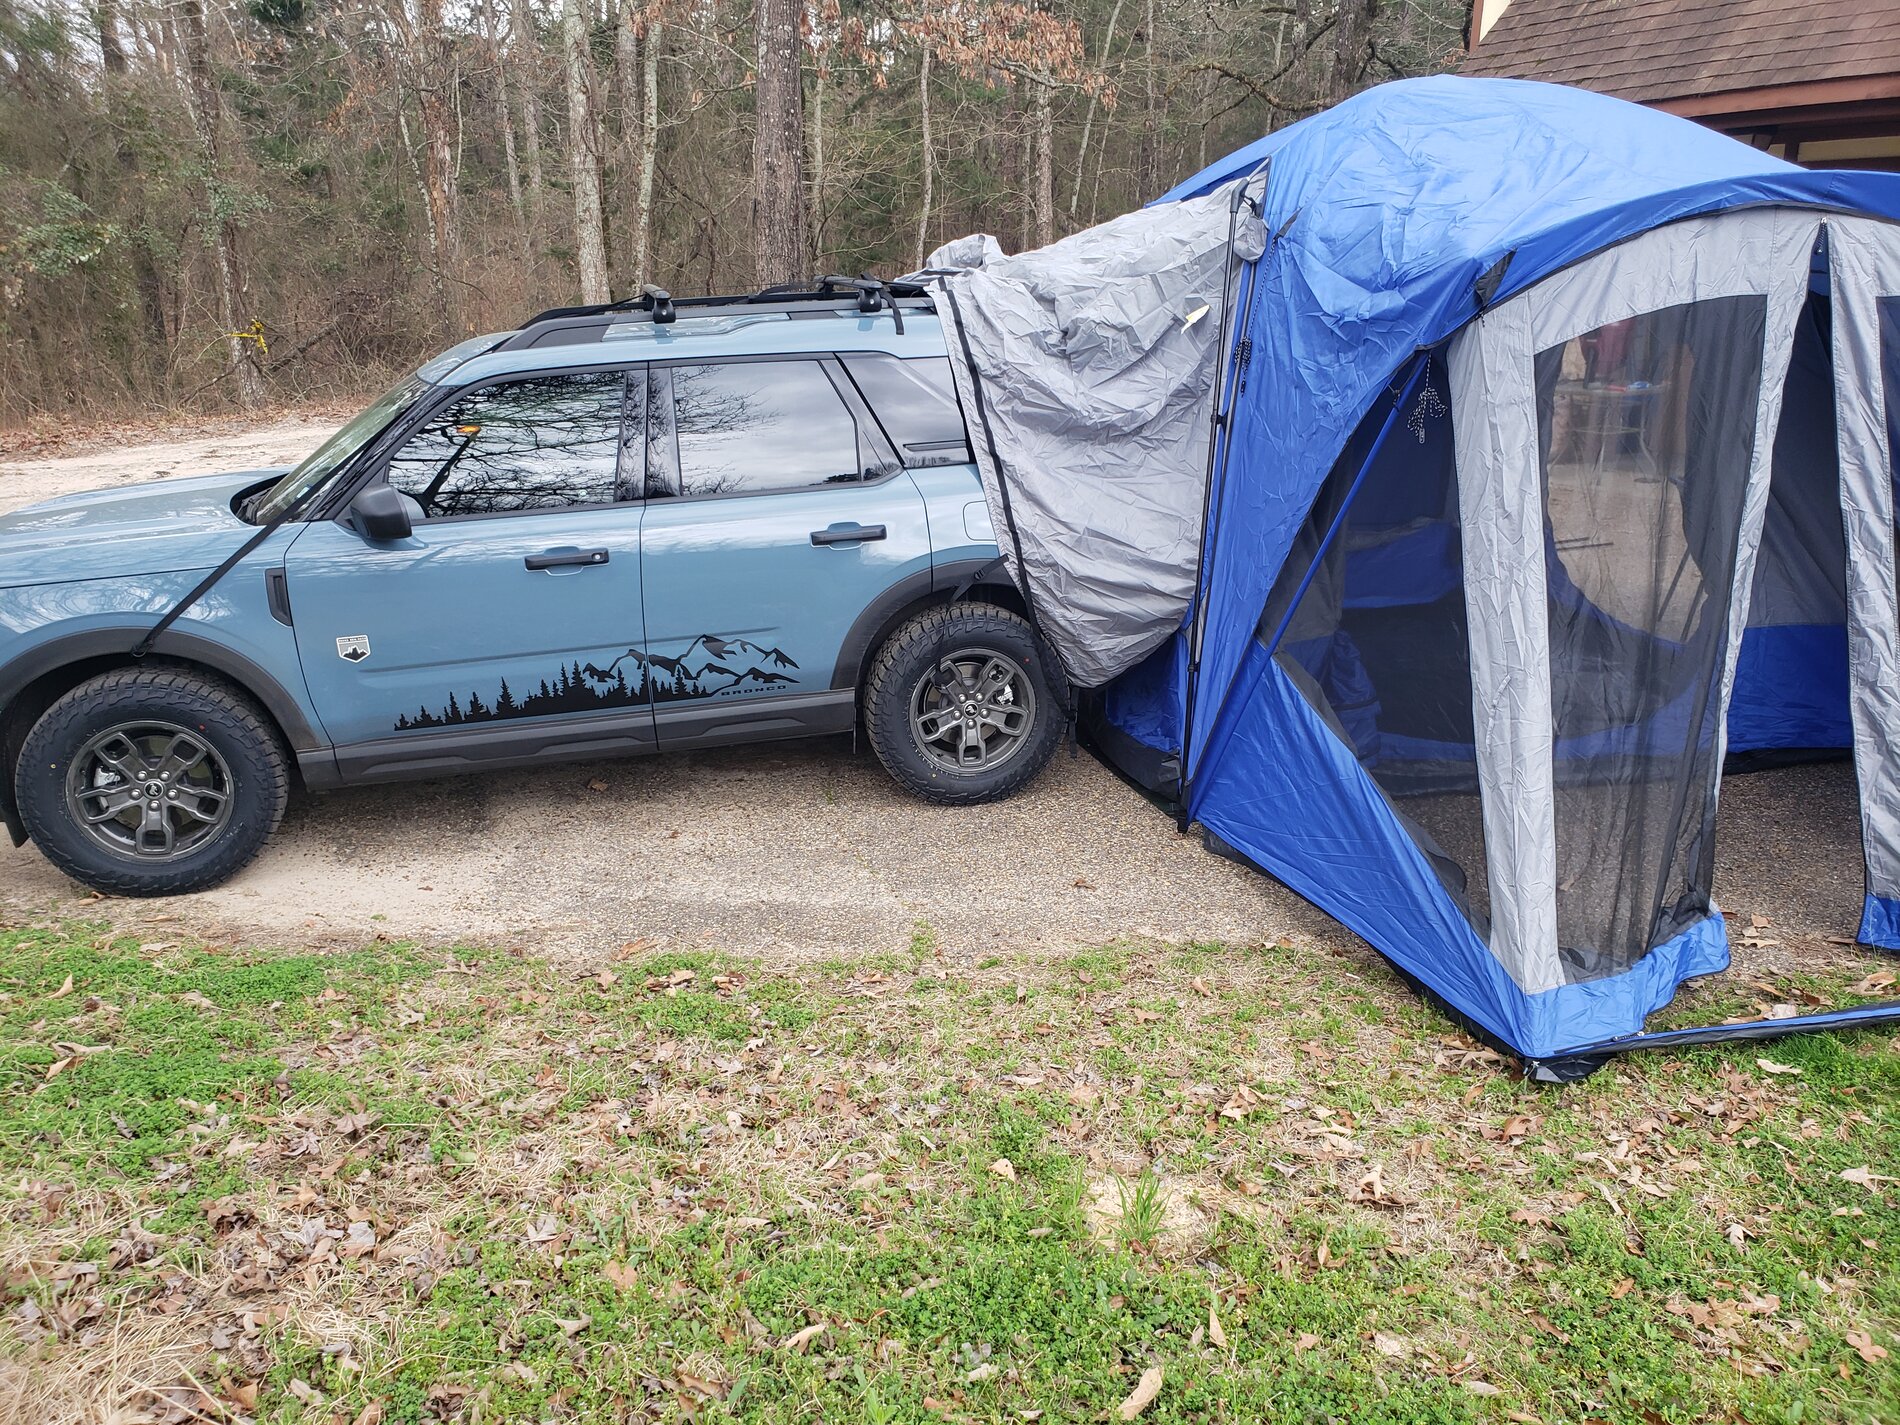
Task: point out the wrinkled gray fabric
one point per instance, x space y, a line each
1099 382
1865 259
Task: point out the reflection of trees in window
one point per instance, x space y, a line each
530 445
762 425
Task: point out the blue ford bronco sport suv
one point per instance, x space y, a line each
641 527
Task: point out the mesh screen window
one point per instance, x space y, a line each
1377 639
1646 429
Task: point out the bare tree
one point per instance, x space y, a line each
520 38
781 251
583 156
207 114
649 155
927 143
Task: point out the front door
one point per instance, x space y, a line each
510 623
777 514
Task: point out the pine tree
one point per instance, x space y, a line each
505 702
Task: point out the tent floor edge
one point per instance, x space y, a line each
1149 770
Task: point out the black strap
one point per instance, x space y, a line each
206 584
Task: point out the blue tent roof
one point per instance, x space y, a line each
1391 214
1394 204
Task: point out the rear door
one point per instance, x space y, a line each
777 514
510 623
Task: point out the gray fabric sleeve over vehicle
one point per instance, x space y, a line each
1097 358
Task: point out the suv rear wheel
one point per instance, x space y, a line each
151 782
959 706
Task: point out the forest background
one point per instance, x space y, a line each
210 205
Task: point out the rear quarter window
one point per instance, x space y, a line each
916 403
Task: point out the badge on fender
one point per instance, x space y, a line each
353 648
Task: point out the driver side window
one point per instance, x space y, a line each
543 444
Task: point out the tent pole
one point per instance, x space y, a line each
1230 373
1422 364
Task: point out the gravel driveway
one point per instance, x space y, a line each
808 850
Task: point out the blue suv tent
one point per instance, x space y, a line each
1440 491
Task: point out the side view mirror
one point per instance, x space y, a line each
381 513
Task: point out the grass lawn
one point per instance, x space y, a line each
408 1185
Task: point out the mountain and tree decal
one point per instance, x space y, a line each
711 665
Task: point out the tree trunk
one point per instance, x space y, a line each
583 155
627 134
1352 48
818 161
923 107
434 80
505 114
1088 121
779 246
207 119
1043 198
530 115
144 270
649 151
1150 171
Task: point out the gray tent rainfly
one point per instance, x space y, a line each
1438 492
1092 363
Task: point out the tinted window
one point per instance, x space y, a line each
755 426
543 444
917 405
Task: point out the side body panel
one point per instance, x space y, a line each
747 611
451 630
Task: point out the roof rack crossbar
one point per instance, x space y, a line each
871 294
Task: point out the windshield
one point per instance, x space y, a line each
324 461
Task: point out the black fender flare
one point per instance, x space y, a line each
907 592
117 643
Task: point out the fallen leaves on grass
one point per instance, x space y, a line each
1769 1066
1004 1169
1215 1333
799 1340
1866 1348
1143 1395
1866 1177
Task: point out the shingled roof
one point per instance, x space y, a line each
1654 50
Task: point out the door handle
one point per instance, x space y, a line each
566 558
847 534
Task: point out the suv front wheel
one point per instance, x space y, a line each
151 782
959 706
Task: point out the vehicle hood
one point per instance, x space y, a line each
158 527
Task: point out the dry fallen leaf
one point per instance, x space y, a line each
799 1340
621 1274
1769 1066
1306 1342
1480 1387
63 990
867 1182
1865 1177
371 1414
1143 1395
1865 1347
1003 1168
1214 1331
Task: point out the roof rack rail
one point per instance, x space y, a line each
870 294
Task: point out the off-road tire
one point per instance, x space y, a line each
224 719
910 654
